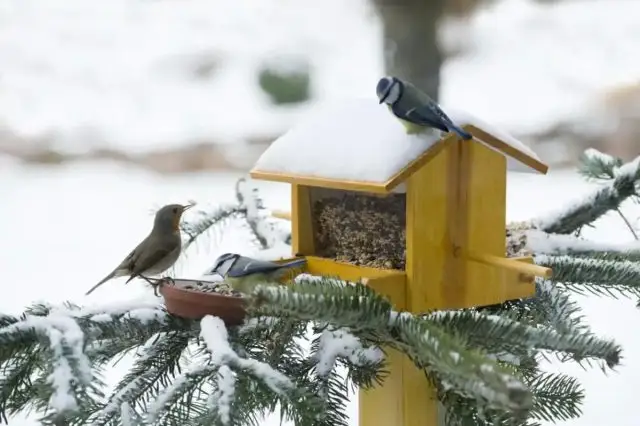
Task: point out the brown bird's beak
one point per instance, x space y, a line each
188 206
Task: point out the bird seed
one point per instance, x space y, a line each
361 229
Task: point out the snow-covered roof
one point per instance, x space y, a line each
360 142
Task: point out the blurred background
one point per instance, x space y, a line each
111 108
179 86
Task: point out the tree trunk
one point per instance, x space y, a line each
410 41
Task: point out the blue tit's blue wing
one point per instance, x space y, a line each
432 113
246 266
424 117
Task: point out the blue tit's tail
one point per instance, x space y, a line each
463 134
294 263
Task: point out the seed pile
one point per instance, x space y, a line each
361 229
208 287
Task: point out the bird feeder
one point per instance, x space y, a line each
419 218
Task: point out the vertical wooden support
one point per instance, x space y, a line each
407 398
302 238
484 185
384 405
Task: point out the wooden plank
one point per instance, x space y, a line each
302 237
510 264
349 272
519 286
347 185
500 145
456 225
428 254
384 405
416 164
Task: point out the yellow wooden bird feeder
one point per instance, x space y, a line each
448 194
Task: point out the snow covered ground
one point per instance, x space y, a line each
120 72
64 228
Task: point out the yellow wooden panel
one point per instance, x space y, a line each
384 405
417 164
347 271
486 200
427 234
347 185
457 212
302 238
506 149
429 254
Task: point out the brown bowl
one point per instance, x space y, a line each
194 304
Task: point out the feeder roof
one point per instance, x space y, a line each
359 145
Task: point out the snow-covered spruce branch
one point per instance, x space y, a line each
602 200
597 165
250 207
60 350
497 334
555 396
466 370
449 359
594 276
540 242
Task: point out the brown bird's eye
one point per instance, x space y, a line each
175 210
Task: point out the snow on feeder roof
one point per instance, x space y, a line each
359 145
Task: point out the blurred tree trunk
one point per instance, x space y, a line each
411 48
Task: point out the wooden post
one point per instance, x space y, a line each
302 238
406 398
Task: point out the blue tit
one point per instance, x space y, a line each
244 273
414 108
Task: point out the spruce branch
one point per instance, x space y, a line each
249 207
608 197
556 397
558 244
596 165
444 356
142 383
594 276
208 222
497 334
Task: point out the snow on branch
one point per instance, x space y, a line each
70 333
465 371
544 243
271 234
69 364
595 164
597 203
263 226
216 339
340 343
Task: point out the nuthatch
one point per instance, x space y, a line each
157 252
244 273
415 109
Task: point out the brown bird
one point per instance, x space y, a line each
157 252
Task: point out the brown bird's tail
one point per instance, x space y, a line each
102 281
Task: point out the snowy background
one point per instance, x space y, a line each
117 73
